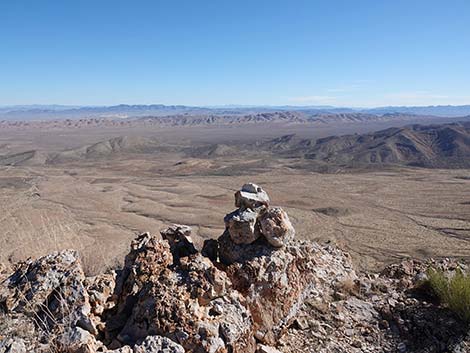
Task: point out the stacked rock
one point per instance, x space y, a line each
254 219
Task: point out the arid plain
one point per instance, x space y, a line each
97 202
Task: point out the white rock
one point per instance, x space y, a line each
158 344
276 227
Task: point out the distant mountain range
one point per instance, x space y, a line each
52 112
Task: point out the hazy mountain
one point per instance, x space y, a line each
51 112
437 110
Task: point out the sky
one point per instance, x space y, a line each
358 53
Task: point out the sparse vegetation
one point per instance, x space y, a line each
453 291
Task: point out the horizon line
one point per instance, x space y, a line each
229 106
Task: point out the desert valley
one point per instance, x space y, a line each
381 187
336 259
234 176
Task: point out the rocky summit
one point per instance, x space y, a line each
254 289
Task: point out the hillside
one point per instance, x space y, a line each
429 146
432 146
108 148
27 158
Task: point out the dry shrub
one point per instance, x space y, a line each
452 290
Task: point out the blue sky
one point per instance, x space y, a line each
215 52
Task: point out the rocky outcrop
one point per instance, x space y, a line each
272 271
62 307
51 290
189 300
254 289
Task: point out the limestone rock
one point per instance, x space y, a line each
230 252
50 288
275 285
189 301
15 345
252 282
251 196
77 340
158 344
276 227
242 226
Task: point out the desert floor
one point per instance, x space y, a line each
97 206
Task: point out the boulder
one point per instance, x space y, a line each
276 227
51 289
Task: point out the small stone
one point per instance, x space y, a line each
242 226
77 340
210 249
302 323
251 196
420 277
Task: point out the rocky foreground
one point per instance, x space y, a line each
254 289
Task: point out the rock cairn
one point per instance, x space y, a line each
254 219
